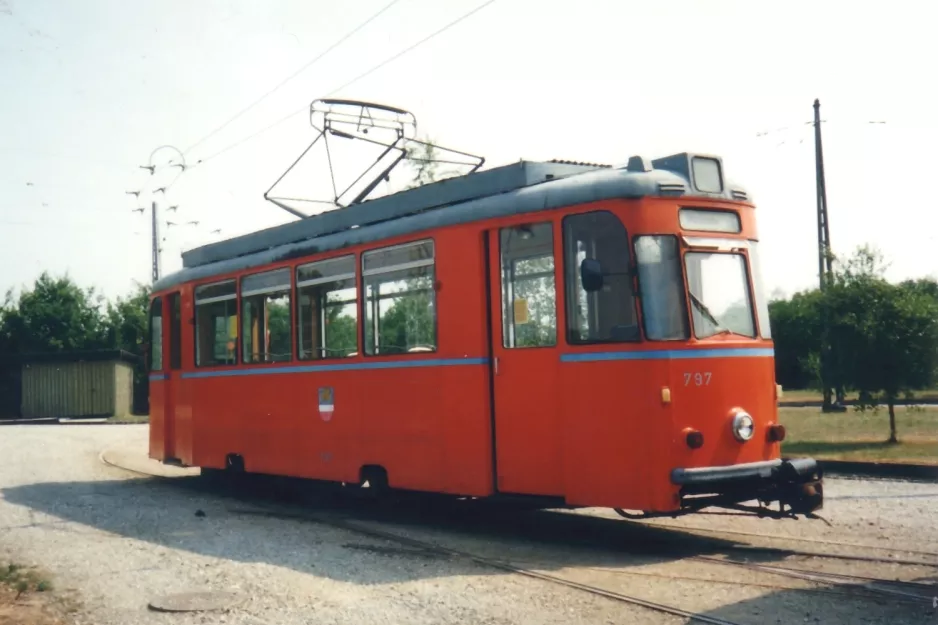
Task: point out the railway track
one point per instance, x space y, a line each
838 584
803 539
854 586
493 564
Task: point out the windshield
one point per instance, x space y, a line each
718 288
662 289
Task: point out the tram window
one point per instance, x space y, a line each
529 293
607 314
156 334
175 332
399 299
265 314
718 285
216 324
758 286
664 310
327 309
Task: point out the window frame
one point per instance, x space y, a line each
297 285
242 294
571 291
196 302
365 301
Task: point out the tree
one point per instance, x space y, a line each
127 326
423 159
341 332
127 321
55 315
796 330
885 335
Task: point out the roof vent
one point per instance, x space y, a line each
739 194
638 163
671 188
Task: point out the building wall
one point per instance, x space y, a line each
123 389
71 389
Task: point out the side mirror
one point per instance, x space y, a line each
145 354
591 274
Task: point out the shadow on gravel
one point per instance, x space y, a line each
297 525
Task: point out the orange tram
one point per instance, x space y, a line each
590 335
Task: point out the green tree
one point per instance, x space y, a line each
885 335
54 315
796 330
126 321
423 160
126 328
408 323
341 332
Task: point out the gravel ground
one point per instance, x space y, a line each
120 541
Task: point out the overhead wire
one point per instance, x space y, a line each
339 42
347 84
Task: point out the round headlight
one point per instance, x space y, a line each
743 426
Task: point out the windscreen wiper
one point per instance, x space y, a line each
707 313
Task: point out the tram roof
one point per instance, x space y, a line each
518 188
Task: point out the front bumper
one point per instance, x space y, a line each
796 483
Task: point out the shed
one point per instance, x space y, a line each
77 384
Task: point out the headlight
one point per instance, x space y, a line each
743 426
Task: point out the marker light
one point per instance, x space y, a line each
743 426
776 433
693 438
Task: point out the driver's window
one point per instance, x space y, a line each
529 293
607 313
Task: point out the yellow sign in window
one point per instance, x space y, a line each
521 311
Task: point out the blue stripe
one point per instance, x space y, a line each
671 354
353 366
158 376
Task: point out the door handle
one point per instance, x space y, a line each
496 365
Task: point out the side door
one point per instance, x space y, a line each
157 379
525 359
172 329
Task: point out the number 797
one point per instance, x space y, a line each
700 378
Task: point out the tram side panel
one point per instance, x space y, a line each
616 433
427 425
157 425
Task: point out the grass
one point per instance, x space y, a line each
816 396
860 436
130 418
23 579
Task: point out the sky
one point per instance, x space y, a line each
92 90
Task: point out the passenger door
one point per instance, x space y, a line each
523 296
157 379
172 330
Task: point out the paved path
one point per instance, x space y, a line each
123 540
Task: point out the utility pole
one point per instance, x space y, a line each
156 244
155 228
825 268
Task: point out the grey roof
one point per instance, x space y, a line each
408 202
515 189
